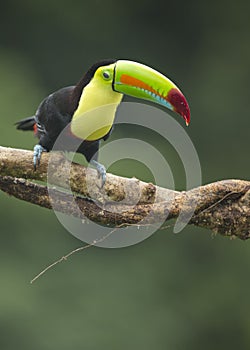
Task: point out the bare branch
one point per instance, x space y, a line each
18 163
223 206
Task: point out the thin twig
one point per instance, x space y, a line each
79 249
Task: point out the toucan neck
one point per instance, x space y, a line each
96 110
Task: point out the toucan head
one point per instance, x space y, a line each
140 81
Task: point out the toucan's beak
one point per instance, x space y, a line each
137 80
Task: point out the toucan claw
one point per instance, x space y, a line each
38 150
101 170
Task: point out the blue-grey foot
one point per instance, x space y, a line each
38 150
101 171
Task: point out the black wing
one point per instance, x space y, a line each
53 115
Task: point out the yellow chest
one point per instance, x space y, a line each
95 114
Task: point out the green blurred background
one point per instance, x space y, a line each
184 291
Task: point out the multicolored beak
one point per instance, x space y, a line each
140 81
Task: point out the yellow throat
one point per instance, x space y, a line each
95 114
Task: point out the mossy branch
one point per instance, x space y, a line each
222 206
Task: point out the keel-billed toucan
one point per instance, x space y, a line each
103 85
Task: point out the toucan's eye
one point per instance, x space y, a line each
106 75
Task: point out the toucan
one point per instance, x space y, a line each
103 85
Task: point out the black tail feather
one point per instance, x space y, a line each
26 124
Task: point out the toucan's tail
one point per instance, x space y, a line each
26 124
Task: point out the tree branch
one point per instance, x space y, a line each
223 206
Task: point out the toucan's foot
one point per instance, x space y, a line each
38 150
101 171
